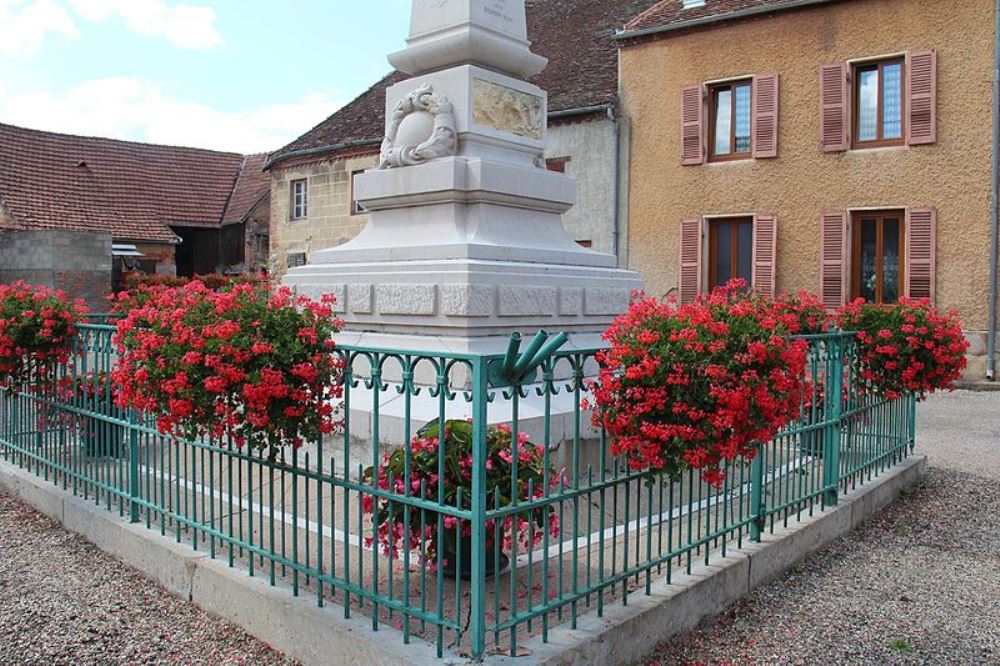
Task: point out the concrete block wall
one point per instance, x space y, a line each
79 263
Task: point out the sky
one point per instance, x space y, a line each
234 75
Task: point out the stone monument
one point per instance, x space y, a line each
465 242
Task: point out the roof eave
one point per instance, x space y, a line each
321 150
715 18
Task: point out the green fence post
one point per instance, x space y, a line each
833 408
477 601
758 507
912 419
133 466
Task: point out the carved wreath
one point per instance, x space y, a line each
442 141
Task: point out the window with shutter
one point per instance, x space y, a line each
730 250
765 115
834 259
921 242
765 247
690 259
921 97
878 104
834 120
692 136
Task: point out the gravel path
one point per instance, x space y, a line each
63 601
918 584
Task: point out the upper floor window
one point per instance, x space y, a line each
557 164
729 115
878 103
300 199
737 119
356 208
890 101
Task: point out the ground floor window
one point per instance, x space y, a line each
877 260
730 250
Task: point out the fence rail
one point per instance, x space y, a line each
301 520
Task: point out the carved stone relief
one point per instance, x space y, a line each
507 110
428 130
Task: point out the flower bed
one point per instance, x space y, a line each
244 362
909 347
444 474
699 384
37 328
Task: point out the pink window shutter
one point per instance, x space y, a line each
834 116
921 250
765 247
765 116
691 254
921 97
834 260
692 134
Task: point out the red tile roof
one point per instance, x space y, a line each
577 37
672 14
136 191
252 185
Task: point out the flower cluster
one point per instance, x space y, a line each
694 385
245 362
37 327
909 347
443 473
141 287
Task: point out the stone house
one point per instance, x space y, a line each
839 147
171 210
311 184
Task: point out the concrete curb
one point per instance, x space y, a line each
313 635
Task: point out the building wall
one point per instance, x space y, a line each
329 222
952 175
588 145
162 254
78 263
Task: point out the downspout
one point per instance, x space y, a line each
991 334
616 183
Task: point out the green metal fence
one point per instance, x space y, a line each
300 523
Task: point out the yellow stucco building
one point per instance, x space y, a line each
842 147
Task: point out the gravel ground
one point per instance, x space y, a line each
63 601
918 584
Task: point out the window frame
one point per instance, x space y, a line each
294 206
855 105
355 207
712 234
880 215
713 102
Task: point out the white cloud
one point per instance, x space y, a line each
140 110
25 24
186 26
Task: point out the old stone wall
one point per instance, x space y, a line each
952 175
79 263
330 220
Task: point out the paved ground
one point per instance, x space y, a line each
919 584
63 601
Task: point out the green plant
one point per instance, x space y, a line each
909 347
900 645
440 469
37 328
256 365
